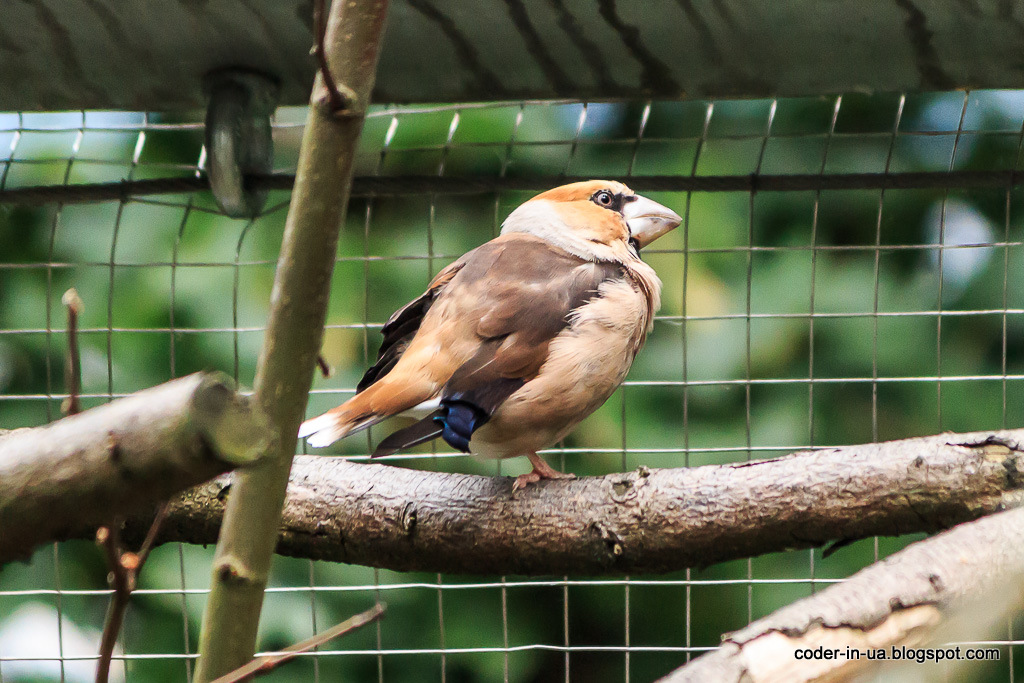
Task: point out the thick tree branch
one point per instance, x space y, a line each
636 522
897 602
120 459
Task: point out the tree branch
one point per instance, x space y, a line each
637 522
295 325
120 459
897 602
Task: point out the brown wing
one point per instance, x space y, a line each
402 326
513 296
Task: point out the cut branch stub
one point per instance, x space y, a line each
121 458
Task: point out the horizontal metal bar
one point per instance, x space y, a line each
668 319
656 383
418 185
433 587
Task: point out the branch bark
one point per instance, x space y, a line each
900 601
295 326
121 459
637 522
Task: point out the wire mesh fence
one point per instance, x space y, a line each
792 318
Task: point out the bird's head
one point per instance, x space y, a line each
596 219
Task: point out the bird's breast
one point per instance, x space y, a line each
586 362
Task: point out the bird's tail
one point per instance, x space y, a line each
377 402
331 426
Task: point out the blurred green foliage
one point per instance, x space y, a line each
171 287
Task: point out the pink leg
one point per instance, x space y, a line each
541 470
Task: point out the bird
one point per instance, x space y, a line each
516 342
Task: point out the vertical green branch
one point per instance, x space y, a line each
294 334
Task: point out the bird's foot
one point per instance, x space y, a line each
541 470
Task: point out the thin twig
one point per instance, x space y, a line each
124 573
338 101
72 405
325 369
267 663
108 538
154 529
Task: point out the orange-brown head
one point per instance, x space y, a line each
595 219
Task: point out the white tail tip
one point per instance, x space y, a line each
321 431
327 428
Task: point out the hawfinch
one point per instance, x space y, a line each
516 342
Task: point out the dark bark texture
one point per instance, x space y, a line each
645 521
73 475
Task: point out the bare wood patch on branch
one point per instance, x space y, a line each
122 458
897 602
636 522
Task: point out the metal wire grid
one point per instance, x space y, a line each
563 137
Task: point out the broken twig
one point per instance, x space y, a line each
338 102
267 663
72 405
123 578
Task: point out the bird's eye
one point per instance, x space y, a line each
604 198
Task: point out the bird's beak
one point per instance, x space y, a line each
648 220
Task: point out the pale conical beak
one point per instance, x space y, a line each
648 220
